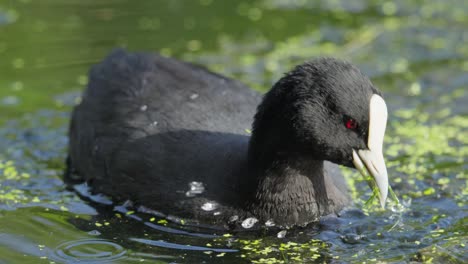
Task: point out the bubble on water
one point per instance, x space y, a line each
249 222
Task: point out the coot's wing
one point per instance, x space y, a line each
135 108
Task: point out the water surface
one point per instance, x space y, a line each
414 51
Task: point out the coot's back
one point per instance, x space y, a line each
147 126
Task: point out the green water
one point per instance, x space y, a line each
414 51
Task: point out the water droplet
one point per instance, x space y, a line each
269 223
209 206
249 222
195 188
282 234
233 218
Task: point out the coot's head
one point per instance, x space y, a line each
325 109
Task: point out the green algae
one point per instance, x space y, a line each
14 191
270 250
9 194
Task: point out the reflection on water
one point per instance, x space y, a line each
414 52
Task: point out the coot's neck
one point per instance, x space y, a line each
285 183
288 189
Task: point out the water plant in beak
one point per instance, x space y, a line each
370 162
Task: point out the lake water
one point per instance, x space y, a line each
414 51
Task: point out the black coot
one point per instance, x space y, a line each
175 137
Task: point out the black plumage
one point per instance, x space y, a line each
148 126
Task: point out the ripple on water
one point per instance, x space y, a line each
89 251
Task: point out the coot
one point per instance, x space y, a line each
175 137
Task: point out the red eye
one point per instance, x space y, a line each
351 124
